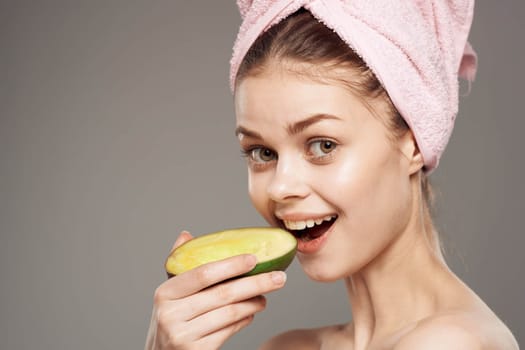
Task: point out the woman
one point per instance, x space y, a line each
343 109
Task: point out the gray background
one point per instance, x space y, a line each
116 132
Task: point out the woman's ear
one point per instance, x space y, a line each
410 150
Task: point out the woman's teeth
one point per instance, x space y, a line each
301 225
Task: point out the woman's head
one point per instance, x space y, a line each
417 50
324 140
304 46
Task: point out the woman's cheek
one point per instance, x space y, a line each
338 178
257 189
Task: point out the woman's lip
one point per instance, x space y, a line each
313 246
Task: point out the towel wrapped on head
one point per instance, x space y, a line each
416 48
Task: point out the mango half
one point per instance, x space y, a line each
274 248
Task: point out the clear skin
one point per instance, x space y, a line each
314 149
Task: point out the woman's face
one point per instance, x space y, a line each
322 166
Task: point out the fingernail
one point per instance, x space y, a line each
278 277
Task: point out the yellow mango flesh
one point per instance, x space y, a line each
273 247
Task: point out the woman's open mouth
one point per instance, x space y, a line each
310 233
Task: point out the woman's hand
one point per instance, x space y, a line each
194 311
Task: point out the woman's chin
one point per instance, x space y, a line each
322 274
326 271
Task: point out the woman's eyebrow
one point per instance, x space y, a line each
297 127
240 130
292 129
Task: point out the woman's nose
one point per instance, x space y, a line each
288 181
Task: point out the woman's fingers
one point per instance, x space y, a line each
195 280
231 292
176 339
220 318
214 320
194 308
220 337
183 238
216 308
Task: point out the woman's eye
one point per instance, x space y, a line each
262 155
321 148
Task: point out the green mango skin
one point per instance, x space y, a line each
279 263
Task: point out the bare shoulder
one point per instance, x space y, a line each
303 339
461 330
300 339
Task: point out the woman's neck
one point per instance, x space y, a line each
399 287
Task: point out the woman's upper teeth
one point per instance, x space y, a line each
302 224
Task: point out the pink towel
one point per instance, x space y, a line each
416 48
